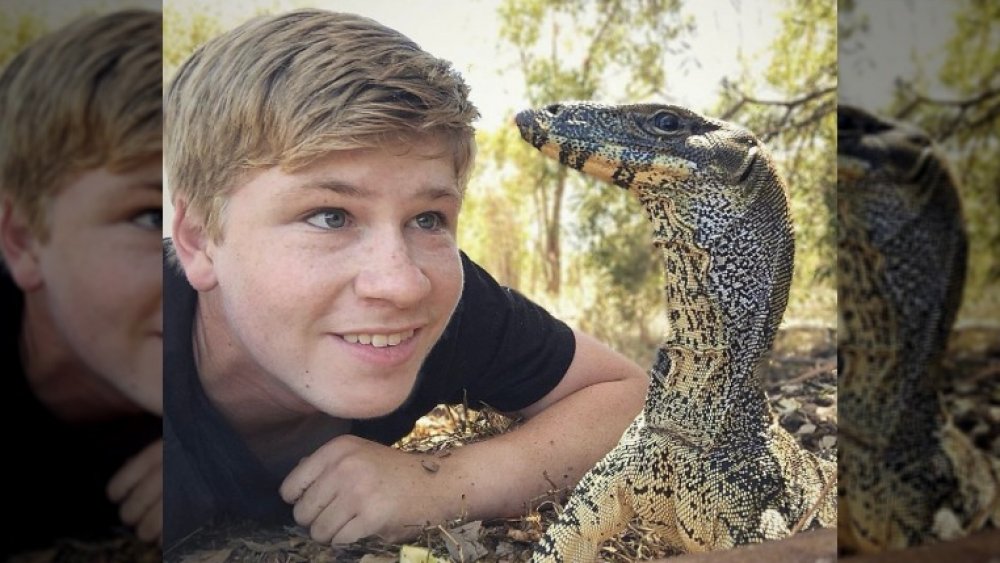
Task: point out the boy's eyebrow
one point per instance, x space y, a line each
351 190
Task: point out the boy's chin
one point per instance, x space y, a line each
375 405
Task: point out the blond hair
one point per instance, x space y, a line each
85 96
284 90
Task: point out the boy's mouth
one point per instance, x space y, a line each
379 340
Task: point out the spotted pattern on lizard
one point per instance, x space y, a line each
705 463
906 474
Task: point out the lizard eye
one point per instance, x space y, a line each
664 122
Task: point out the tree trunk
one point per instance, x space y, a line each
553 252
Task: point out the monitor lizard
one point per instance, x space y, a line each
907 475
705 464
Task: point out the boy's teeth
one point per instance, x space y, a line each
379 340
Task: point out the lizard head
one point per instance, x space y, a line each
890 173
867 143
709 172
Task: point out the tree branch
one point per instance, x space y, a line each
789 105
967 113
960 103
784 126
597 40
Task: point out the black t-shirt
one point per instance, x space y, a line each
498 349
56 472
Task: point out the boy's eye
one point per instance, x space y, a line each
429 221
149 219
328 219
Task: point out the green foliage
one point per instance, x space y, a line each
189 24
626 275
494 226
967 125
183 33
16 32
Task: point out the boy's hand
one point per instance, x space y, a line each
352 488
138 488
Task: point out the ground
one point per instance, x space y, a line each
801 385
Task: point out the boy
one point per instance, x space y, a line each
80 231
317 163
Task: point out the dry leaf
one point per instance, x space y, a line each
807 428
826 413
463 542
787 404
521 535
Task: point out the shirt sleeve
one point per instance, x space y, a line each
507 351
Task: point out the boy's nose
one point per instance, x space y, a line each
389 273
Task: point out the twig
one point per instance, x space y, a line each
809 374
545 474
812 510
954 102
963 108
789 105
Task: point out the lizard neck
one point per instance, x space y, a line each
896 309
725 294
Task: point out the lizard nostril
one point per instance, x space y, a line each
553 108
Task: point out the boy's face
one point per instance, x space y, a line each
102 276
335 281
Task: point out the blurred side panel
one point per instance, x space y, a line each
81 279
919 277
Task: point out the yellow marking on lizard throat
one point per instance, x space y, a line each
605 164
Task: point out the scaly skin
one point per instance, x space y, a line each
705 463
906 474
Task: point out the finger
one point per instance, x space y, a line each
352 531
142 497
310 468
329 523
150 527
299 479
135 469
314 500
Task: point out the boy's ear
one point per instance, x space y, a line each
191 244
19 245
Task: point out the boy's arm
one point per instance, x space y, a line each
351 488
566 433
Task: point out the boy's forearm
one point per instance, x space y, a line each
498 477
